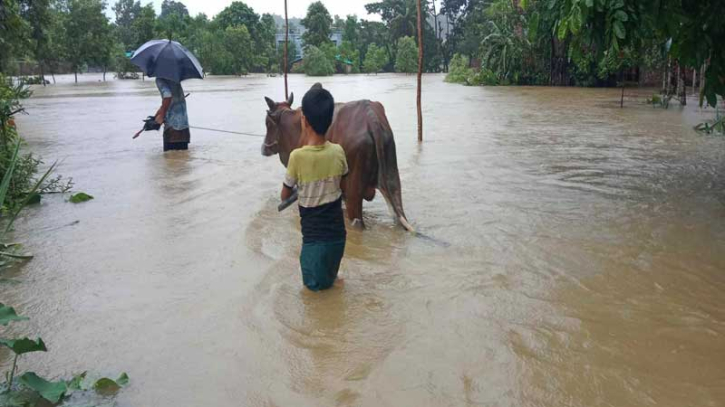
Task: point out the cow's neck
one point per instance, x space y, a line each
291 137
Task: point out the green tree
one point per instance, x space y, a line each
406 60
88 35
292 56
374 32
13 33
317 63
38 15
173 24
401 20
338 23
347 52
265 59
236 14
375 59
212 53
55 51
350 30
238 44
317 22
143 25
169 7
127 11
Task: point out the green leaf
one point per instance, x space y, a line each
19 398
619 30
563 28
617 4
34 198
51 391
80 197
621 16
25 345
16 256
7 315
576 21
33 190
106 386
590 3
122 380
533 27
76 382
5 184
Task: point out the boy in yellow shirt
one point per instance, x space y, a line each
316 170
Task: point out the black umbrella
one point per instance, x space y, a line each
167 59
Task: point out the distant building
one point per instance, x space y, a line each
296 36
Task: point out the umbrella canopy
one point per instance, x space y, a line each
168 60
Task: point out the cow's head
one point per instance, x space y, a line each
275 125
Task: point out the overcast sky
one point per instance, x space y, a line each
295 8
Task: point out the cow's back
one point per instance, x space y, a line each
351 127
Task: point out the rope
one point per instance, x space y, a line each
227 131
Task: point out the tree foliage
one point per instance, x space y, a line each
375 59
406 60
317 63
317 22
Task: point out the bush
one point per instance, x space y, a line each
34 80
317 63
26 166
458 70
484 77
406 60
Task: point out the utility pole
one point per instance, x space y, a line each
286 43
420 71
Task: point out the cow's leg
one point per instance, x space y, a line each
353 203
369 194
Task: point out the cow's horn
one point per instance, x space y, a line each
271 104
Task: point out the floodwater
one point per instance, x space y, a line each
585 265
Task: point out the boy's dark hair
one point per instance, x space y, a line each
318 106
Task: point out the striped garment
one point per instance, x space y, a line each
316 171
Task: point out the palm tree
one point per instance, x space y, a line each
405 20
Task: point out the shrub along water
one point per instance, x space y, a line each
22 185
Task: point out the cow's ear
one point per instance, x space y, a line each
291 99
271 104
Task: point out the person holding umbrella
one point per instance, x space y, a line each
171 63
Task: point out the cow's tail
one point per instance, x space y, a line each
388 177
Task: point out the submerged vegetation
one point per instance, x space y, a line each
591 43
19 187
23 186
717 126
29 389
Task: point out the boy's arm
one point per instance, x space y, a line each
286 192
290 179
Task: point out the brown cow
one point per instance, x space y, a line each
363 131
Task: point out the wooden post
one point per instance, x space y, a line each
621 102
286 43
420 71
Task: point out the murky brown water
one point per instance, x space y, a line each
586 264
